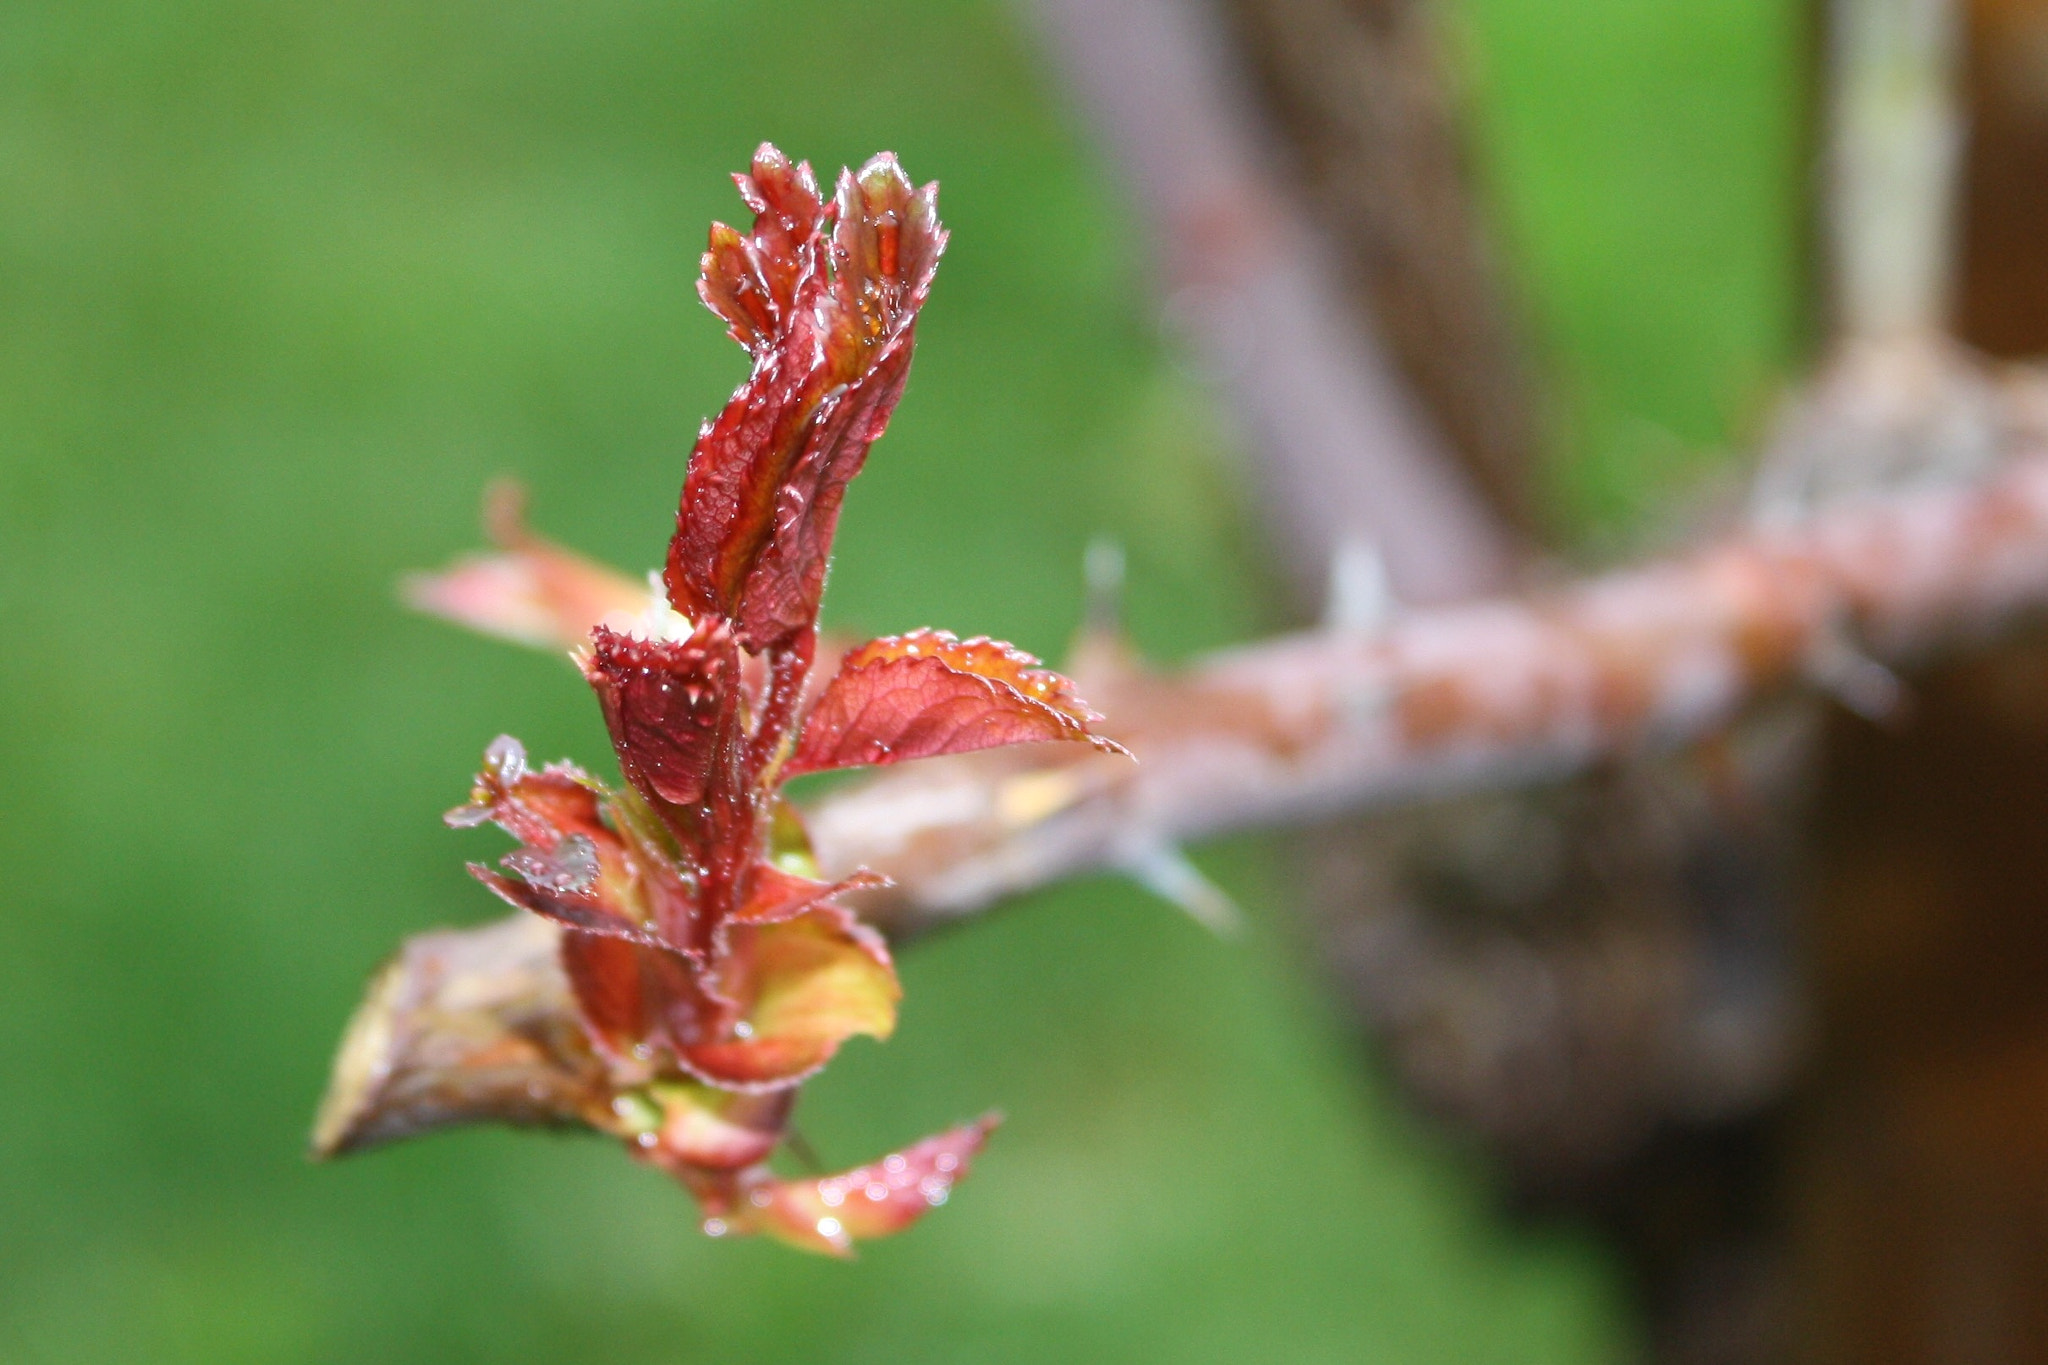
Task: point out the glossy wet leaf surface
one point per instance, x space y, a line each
929 693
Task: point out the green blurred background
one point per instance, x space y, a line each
282 285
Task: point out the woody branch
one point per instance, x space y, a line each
1480 695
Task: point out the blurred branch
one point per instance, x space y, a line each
1365 99
1470 697
1343 451
1895 137
2001 284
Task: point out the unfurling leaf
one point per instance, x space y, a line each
672 708
750 279
829 324
616 900
703 1126
570 866
927 693
638 1002
797 990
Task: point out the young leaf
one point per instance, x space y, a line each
832 1213
570 866
928 693
567 906
775 895
672 708
761 499
721 1130
799 988
750 279
636 1002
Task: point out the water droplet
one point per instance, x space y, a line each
830 1229
894 1163
714 1227
647 1139
742 1029
947 1162
760 1199
506 759
831 1195
876 1191
470 816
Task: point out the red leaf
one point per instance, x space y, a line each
798 989
536 808
927 693
672 709
586 913
712 1129
572 865
775 895
832 351
633 999
786 576
886 245
750 279
874 1200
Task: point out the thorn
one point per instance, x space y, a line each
1166 872
504 514
1361 598
1838 667
1102 569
